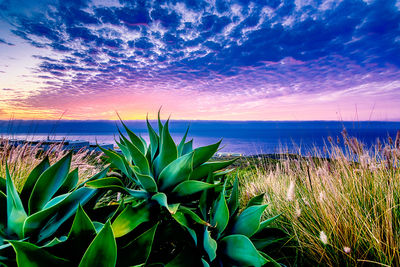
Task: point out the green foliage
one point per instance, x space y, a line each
174 210
48 199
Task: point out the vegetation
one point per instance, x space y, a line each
175 208
340 210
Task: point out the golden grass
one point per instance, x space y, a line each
341 211
22 159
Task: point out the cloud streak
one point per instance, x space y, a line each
250 49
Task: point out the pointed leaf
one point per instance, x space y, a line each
257 200
130 218
46 222
233 202
102 251
182 143
220 216
176 172
117 160
48 183
154 139
248 222
161 199
202 154
204 169
32 179
15 210
187 188
135 139
138 251
138 158
196 218
239 250
29 255
168 151
82 225
180 217
267 222
210 245
70 182
146 181
187 147
114 183
160 126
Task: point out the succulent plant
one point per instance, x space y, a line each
162 172
48 199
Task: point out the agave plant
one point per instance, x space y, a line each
49 197
86 244
235 238
162 171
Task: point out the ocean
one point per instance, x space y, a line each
245 137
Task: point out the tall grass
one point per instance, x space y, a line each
340 210
22 159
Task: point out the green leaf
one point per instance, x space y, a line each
102 251
161 199
117 160
15 210
196 218
204 169
220 215
154 139
138 158
207 197
233 202
267 222
182 143
124 150
138 251
160 126
82 226
239 250
210 245
257 200
180 217
130 218
248 222
48 183
135 139
46 222
29 255
32 179
187 147
187 188
168 151
114 183
70 182
176 172
146 181
202 154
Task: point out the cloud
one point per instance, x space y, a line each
6 43
260 48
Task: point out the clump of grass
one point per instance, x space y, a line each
22 159
343 209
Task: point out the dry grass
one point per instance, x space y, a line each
22 159
341 211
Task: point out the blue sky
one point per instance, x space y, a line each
266 60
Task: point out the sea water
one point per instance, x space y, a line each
245 137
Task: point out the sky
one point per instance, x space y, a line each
211 60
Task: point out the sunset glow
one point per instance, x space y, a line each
212 60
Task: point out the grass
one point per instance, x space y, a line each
343 210
22 159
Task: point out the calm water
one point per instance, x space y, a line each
242 137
